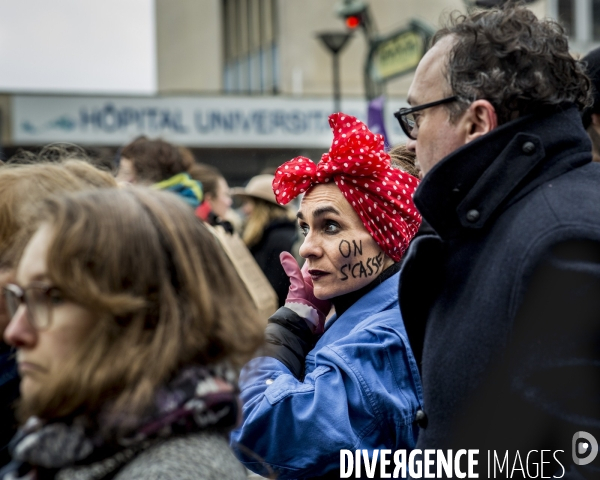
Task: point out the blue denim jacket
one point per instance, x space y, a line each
361 390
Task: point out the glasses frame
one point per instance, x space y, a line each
21 296
401 114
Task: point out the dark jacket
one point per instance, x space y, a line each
279 236
9 391
502 306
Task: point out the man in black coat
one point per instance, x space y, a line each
502 302
591 115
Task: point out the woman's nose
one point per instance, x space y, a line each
19 332
310 247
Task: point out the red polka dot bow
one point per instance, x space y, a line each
358 164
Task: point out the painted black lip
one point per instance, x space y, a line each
317 272
316 275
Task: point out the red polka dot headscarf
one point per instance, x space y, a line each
360 167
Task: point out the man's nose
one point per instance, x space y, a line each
19 332
411 145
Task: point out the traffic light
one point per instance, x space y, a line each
355 13
353 21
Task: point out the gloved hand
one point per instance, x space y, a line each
301 298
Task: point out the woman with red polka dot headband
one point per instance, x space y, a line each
352 382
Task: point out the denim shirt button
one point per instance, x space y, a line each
269 381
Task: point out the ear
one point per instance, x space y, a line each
481 119
596 120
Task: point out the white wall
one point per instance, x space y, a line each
78 46
189 46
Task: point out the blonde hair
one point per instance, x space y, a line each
89 174
404 159
164 293
99 158
22 186
262 215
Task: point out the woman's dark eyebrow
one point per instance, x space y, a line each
319 212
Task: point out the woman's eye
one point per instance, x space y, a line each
304 230
332 227
56 297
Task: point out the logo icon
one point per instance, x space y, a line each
585 448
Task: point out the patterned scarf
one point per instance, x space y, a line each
196 399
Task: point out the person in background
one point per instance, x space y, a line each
591 115
501 303
160 164
99 157
21 188
130 326
404 159
351 383
269 230
217 201
145 161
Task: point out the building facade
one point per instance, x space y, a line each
246 83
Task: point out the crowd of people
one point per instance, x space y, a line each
441 295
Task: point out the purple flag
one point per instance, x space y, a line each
375 119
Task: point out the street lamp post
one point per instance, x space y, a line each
335 42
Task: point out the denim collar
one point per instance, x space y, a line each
344 302
383 296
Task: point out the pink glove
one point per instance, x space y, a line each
301 298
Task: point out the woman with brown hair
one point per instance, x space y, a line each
21 187
130 325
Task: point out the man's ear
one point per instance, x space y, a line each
481 118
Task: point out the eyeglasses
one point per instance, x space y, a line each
39 299
407 120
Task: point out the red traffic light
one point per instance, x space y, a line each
353 21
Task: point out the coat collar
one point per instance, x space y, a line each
469 187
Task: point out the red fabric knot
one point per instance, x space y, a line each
357 162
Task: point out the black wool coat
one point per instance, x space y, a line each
502 303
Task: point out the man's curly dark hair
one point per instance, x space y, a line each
512 59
